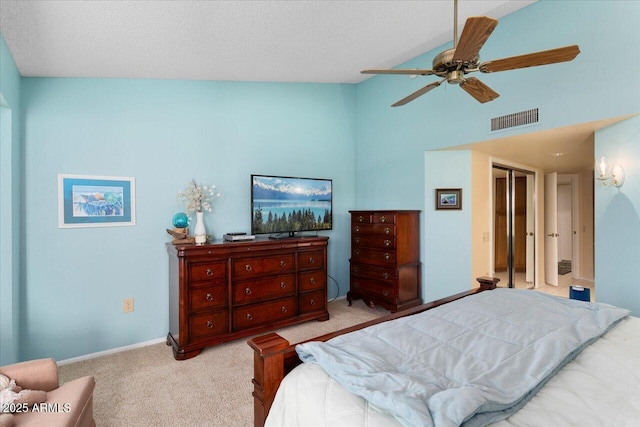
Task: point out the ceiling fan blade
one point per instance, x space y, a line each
417 93
475 33
545 57
392 71
478 90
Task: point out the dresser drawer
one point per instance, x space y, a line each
384 218
373 255
389 275
259 314
374 289
312 301
374 241
312 280
210 272
263 265
311 259
208 324
263 289
361 217
209 297
384 229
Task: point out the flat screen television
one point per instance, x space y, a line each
282 206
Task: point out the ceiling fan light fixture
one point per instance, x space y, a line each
455 77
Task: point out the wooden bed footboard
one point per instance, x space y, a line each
274 357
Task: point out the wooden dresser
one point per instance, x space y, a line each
224 291
385 258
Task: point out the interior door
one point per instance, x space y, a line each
530 236
500 223
520 224
551 228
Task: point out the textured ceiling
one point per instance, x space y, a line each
279 41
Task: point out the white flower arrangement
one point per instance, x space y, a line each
198 197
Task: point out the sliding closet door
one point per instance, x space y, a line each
513 227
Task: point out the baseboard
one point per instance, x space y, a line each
130 347
110 351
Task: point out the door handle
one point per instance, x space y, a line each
553 234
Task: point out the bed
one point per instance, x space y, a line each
500 376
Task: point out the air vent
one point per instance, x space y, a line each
514 120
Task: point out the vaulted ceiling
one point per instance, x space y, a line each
275 41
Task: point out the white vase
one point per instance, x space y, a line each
199 231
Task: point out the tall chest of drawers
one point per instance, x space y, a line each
225 291
385 258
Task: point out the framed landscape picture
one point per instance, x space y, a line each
95 201
448 198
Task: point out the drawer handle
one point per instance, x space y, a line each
360 218
357 251
312 302
386 255
312 260
383 218
283 309
387 242
385 275
209 324
209 297
283 285
356 284
385 293
355 269
209 272
357 229
283 264
248 267
357 240
387 230
312 280
247 291
249 316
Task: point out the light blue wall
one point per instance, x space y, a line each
163 133
617 218
10 219
446 226
392 141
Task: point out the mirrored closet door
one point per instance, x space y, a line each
513 227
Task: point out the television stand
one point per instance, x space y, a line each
229 290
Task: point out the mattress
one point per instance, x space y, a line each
599 387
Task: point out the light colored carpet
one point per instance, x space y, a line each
148 387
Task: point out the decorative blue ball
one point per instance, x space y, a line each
180 220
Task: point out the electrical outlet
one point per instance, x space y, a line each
127 305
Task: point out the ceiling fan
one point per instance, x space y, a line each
454 64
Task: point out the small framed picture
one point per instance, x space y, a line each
95 201
448 198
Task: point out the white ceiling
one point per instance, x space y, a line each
276 41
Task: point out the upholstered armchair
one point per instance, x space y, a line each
70 404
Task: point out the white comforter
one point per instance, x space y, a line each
600 387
